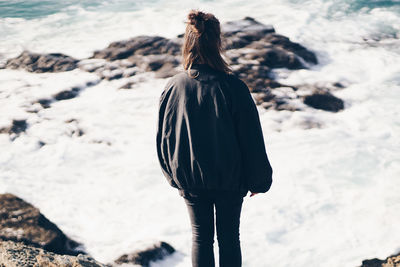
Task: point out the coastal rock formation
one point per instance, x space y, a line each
18 254
324 101
252 48
140 45
28 238
391 261
35 62
22 222
15 129
144 257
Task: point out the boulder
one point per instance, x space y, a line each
18 254
67 94
391 261
35 62
16 127
144 257
284 42
324 101
239 33
139 45
22 222
249 33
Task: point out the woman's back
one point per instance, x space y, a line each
209 136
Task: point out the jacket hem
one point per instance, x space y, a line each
198 191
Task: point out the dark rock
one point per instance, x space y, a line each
18 254
143 257
67 94
284 42
129 72
279 58
266 96
255 49
45 103
17 127
22 222
391 261
372 263
128 85
76 132
338 84
324 101
71 120
35 62
140 45
167 70
41 143
155 65
111 74
239 33
277 50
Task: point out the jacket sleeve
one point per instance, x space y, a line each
162 158
256 167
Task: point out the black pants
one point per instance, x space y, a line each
201 212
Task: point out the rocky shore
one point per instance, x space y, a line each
391 261
253 50
28 238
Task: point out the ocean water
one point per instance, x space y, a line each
334 200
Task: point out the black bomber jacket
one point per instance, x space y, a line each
209 135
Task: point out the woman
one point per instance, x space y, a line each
210 143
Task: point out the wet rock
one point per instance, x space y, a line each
18 254
167 70
391 261
156 62
67 94
338 85
284 42
91 65
324 101
41 143
129 72
128 85
111 74
144 257
273 49
35 62
239 33
22 222
279 58
139 45
15 129
44 102
255 49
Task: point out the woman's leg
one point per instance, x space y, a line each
201 212
228 209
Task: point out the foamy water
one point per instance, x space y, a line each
334 199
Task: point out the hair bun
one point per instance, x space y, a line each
197 18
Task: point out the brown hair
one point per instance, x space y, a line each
202 42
